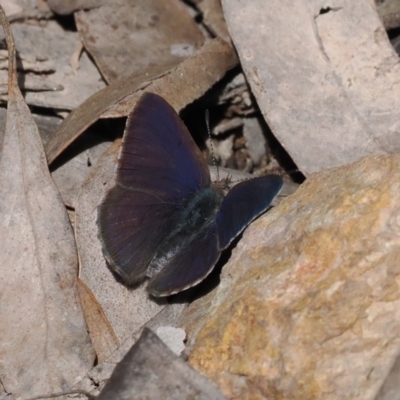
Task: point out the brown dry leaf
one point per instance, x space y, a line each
153 32
189 81
179 84
70 174
101 333
45 346
126 310
90 111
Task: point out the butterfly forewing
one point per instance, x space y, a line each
158 155
132 226
159 169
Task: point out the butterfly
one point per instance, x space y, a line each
164 218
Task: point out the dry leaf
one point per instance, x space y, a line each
188 81
27 63
180 85
45 346
45 124
101 333
89 112
150 32
328 85
169 316
29 82
53 43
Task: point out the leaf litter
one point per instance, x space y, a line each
45 346
41 255
143 29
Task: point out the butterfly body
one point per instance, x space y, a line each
164 219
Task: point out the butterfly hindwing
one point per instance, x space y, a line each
243 203
190 266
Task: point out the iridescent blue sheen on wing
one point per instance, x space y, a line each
163 219
160 169
243 203
158 154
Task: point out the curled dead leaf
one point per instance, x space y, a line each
45 345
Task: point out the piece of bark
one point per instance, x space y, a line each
166 324
151 371
227 125
173 337
325 78
179 84
153 32
45 345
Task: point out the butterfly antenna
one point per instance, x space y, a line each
207 116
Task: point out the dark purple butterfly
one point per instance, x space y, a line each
164 219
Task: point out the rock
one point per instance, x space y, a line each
309 303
